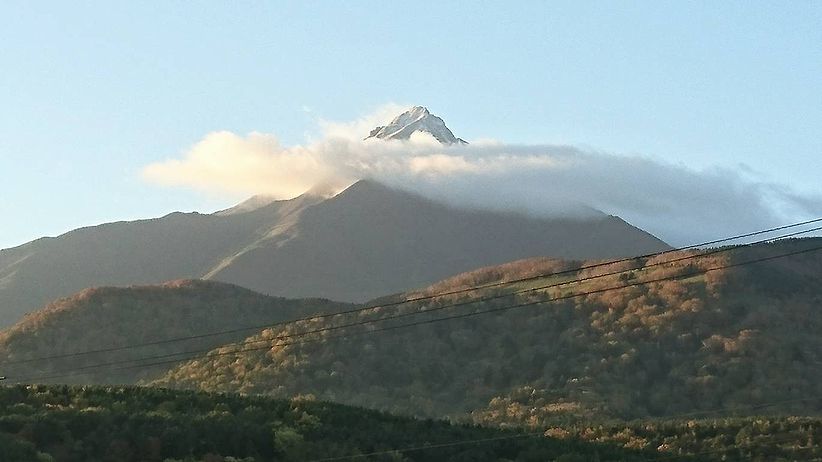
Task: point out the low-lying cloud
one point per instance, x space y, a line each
679 204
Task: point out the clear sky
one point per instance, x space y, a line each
91 92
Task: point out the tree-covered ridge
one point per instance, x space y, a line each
723 339
89 424
102 318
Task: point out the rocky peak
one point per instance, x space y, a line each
416 119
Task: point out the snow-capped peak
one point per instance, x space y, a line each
416 119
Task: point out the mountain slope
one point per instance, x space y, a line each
725 339
177 246
109 318
367 241
371 240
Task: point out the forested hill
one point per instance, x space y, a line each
112 318
88 424
720 340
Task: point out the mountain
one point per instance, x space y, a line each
365 242
110 318
416 119
722 340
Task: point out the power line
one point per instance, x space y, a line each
541 433
432 446
403 315
75 371
435 309
210 354
478 441
736 447
456 292
614 262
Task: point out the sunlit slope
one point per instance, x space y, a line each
372 240
722 339
42 344
367 241
177 246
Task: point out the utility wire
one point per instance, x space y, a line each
432 446
478 441
736 447
438 308
211 354
541 433
459 291
401 315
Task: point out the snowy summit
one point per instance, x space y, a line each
416 119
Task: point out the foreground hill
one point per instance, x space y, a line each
367 241
721 340
111 318
65 424
74 424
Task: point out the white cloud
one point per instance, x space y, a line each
677 203
360 128
226 162
441 164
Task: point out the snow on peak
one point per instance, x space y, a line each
416 119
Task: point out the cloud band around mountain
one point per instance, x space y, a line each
679 204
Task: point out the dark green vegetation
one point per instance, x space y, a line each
87 424
723 340
114 317
60 423
367 241
749 438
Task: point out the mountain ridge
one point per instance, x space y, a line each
367 241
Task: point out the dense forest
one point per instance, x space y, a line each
111 318
86 424
765 438
89 424
724 339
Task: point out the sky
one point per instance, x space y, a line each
94 93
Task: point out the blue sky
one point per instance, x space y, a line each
92 92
